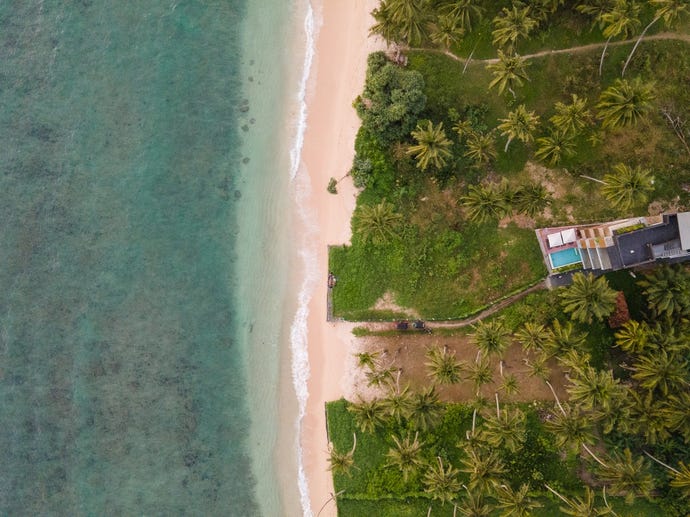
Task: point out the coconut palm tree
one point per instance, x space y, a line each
479 372
647 418
463 128
426 410
563 337
633 337
510 385
446 31
367 359
681 478
531 199
412 16
474 505
481 148
588 298
667 289
581 506
532 336
441 483
509 72
342 462
484 202
627 476
519 124
368 414
677 414
628 186
538 367
593 388
506 429
625 103
621 20
467 12
515 503
595 9
376 223
571 118
490 337
442 365
571 427
661 370
406 455
670 11
484 467
512 25
398 404
553 147
385 25
379 376
432 147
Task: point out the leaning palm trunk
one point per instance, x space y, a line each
603 53
627 61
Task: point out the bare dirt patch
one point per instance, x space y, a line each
387 303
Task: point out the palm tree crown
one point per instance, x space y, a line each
554 146
443 367
376 223
588 298
484 202
571 118
491 337
509 72
519 124
625 103
512 25
628 186
432 145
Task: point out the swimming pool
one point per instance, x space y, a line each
564 257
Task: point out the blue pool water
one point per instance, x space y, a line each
565 257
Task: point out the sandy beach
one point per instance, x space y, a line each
337 77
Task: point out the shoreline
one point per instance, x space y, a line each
336 78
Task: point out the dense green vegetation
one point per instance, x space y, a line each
451 160
625 416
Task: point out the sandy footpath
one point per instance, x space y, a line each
337 77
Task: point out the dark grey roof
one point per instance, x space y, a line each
635 247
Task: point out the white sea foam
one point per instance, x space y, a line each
308 255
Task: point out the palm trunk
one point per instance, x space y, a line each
505 149
594 456
627 61
557 495
603 53
555 396
669 467
498 408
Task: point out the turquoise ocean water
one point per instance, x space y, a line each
144 182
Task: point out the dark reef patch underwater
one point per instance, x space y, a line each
121 391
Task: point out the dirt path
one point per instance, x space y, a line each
472 319
582 48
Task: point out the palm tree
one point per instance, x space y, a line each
667 372
368 415
571 427
512 25
342 462
681 478
627 477
509 385
588 298
625 102
593 388
443 367
677 414
506 429
490 337
379 376
481 148
519 124
581 506
633 337
412 16
446 31
367 359
531 199
532 336
667 290
398 404
539 367
647 418
432 145
563 337
516 503
628 186
484 202
484 468
509 72
441 483
595 9
376 223
466 11
475 506
571 118
426 410
386 27
554 146
670 10
406 456
463 128
623 19
479 372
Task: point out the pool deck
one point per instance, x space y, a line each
542 236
